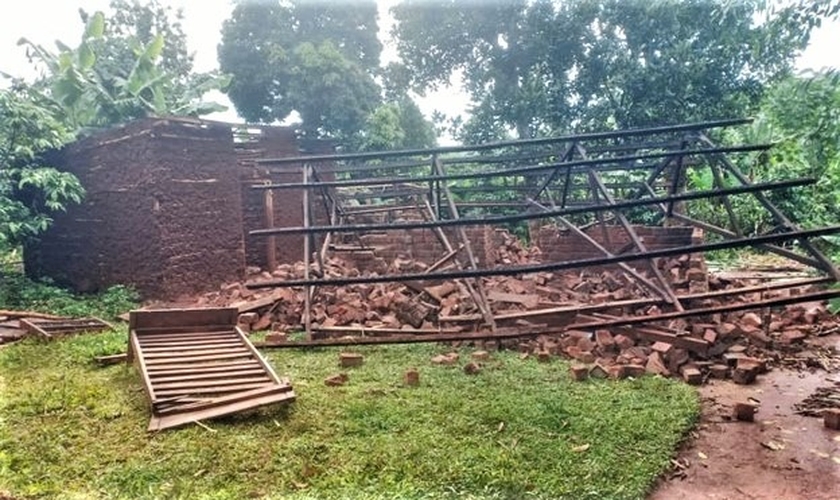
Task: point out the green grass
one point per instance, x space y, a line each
72 430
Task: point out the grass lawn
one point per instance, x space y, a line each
519 429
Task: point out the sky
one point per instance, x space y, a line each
44 21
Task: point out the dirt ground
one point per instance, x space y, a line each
781 456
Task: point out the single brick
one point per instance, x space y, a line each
579 372
350 359
745 412
831 418
412 377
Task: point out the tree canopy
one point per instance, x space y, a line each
314 58
543 66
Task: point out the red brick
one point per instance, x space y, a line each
350 359
472 368
656 366
543 356
831 418
412 378
579 372
692 375
745 412
624 342
792 336
481 355
634 370
605 340
336 380
719 371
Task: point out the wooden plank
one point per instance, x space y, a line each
212 390
139 320
135 349
201 384
208 402
169 330
145 337
203 367
184 359
158 348
202 375
194 353
208 343
253 305
167 422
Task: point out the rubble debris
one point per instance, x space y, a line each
579 372
822 399
480 355
446 359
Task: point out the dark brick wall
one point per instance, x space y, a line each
557 245
162 212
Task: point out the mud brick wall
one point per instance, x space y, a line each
421 245
557 245
277 142
161 212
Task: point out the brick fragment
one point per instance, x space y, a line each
692 375
336 380
248 318
634 370
831 418
656 365
412 377
276 338
598 371
751 319
661 347
719 371
710 336
744 375
617 372
543 356
472 368
350 359
745 412
623 341
481 355
792 337
579 372
604 339
446 359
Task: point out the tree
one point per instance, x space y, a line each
315 58
535 67
396 125
29 190
92 91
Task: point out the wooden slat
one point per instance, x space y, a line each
203 375
196 359
200 384
158 343
232 398
193 416
202 367
182 317
212 390
190 348
194 354
156 337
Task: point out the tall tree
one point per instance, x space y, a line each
315 58
531 67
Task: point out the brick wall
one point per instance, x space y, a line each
557 245
161 212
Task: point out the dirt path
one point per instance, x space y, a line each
806 465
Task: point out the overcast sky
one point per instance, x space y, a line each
44 21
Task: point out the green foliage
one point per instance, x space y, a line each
397 125
70 429
19 292
537 67
29 190
92 90
315 58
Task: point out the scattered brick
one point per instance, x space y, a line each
692 375
604 339
792 337
276 337
412 377
472 368
481 355
751 319
745 412
831 418
598 371
579 372
719 371
744 375
617 372
623 341
337 380
634 370
656 366
350 359
544 356
446 359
